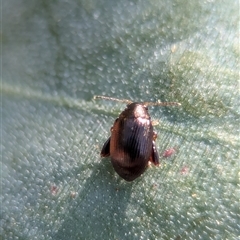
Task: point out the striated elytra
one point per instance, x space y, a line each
132 142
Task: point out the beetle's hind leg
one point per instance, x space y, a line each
154 155
106 148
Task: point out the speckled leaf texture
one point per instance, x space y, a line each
56 55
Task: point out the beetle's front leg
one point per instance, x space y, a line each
154 136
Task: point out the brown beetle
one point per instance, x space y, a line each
132 142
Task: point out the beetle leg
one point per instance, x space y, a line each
154 136
154 156
106 148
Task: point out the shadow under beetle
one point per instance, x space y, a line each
132 142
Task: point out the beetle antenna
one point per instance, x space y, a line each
114 99
162 104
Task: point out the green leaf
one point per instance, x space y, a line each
56 55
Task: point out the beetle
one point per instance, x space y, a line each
132 142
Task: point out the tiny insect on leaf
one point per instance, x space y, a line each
132 142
